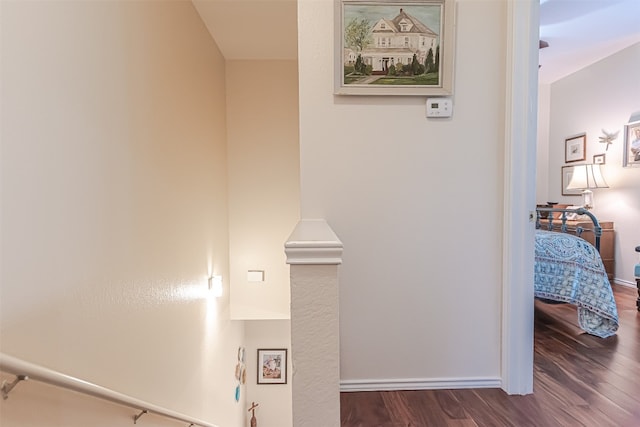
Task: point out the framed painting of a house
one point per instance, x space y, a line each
394 47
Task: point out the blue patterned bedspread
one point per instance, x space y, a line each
569 269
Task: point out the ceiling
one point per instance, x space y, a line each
252 29
579 32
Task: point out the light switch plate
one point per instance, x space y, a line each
255 276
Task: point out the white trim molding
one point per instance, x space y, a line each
418 384
521 106
625 283
313 242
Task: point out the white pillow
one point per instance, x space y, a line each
574 216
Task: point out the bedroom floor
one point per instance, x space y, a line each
579 380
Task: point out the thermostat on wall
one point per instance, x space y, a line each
439 107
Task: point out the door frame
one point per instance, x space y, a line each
521 105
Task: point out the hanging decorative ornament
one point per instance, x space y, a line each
608 138
240 372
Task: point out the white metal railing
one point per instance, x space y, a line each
25 370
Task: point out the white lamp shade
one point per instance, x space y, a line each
585 177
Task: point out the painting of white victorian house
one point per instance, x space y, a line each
392 44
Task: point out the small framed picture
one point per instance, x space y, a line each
575 148
631 144
567 173
598 159
272 366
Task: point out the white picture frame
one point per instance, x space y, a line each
631 156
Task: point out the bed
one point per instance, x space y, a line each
569 269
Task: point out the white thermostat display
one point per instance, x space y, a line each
439 107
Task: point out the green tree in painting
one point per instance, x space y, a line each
415 65
392 70
357 35
359 67
428 63
436 65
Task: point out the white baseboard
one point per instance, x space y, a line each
625 283
419 384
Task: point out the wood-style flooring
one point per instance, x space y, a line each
579 380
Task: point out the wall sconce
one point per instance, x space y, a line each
586 177
215 285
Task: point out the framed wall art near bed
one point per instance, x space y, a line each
394 47
631 156
575 148
599 159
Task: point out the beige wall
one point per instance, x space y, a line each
416 203
601 96
274 399
264 194
264 200
114 206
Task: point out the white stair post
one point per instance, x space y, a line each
314 252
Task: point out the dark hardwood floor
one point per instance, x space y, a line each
579 380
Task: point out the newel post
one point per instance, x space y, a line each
314 252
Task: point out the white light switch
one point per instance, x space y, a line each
255 276
439 107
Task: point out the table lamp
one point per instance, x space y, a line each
585 177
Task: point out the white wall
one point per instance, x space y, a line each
274 399
601 96
542 147
415 202
264 183
35 404
114 207
264 205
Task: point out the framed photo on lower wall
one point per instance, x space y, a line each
272 366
